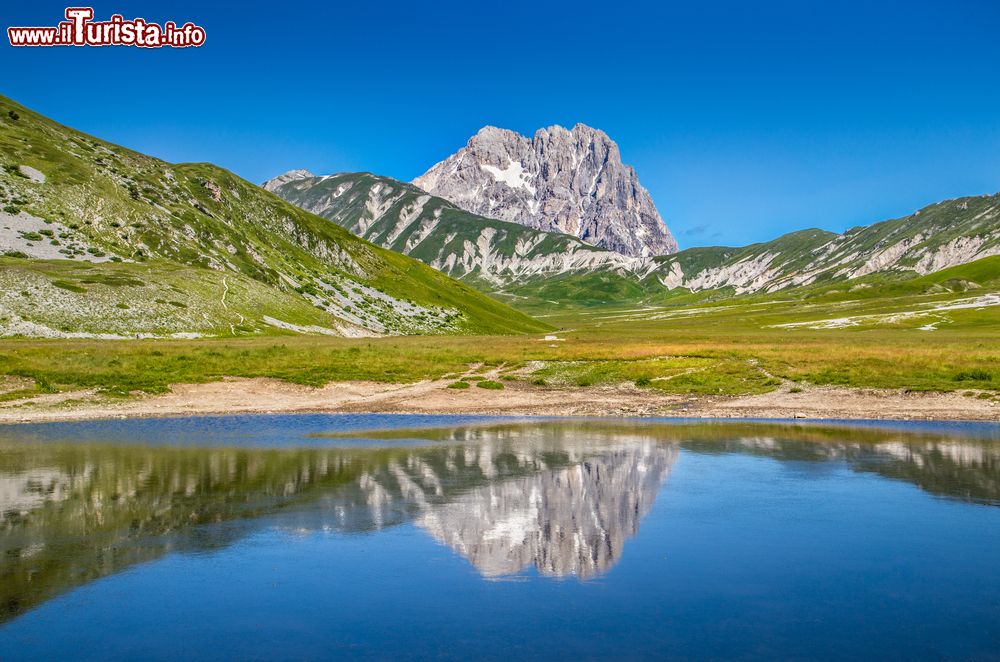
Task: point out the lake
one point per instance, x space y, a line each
414 537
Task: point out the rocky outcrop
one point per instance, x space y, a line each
572 182
273 185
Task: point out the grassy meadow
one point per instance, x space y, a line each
926 337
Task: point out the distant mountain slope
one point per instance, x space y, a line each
568 181
403 218
939 236
502 257
67 196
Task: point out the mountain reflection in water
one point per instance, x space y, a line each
560 497
567 521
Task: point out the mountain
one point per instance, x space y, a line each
99 241
499 256
405 219
939 236
572 182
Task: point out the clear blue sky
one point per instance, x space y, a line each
745 120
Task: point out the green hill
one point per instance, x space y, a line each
90 231
939 236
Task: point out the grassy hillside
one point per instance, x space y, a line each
800 265
937 332
939 236
57 298
66 195
486 252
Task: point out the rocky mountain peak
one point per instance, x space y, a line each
560 180
290 176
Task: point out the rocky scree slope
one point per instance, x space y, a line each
90 231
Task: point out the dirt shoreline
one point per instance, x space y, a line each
259 396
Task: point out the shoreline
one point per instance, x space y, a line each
270 396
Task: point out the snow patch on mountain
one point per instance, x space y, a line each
514 176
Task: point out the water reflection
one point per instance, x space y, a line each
506 502
562 498
568 521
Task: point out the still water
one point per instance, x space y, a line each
401 537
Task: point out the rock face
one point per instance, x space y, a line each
572 182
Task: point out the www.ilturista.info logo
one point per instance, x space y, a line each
79 29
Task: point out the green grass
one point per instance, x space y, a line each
974 375
21 393
723 349
489 384
154 297
69 286
735 347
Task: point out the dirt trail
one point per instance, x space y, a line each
233 396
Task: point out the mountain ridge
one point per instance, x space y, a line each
938 236
399 216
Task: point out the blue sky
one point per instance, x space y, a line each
745 120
